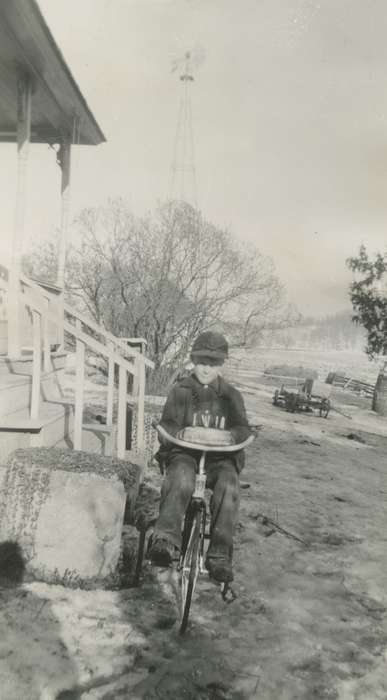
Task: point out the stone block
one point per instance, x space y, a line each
66 508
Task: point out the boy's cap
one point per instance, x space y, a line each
210 344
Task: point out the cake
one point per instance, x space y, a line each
207 436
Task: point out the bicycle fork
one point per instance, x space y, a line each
196 507
200 483
200 487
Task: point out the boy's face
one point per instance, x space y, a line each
206 369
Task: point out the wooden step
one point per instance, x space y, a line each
24 364
98 428
16 384
55 424
20 425
19 420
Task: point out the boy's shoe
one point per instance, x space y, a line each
162 552
220 569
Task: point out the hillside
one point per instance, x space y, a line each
333 332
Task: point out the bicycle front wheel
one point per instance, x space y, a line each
190 569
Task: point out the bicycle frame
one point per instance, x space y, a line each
191 562
196 505
200 483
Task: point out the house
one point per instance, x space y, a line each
40 103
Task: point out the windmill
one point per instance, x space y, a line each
183 174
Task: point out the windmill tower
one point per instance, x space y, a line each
183 175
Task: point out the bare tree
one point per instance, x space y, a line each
166 277
42 261
264 307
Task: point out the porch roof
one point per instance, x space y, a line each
28 47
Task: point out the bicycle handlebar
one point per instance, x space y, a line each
201 447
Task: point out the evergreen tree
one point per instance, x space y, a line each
369 299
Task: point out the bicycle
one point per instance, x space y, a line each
191 561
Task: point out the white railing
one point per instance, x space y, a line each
137 369
51 315
120 344
36 310
44 310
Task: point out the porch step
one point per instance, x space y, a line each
24 425
24 364
98 438
98 428
15 393
54 425
16 384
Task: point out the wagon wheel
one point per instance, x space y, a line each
325 407
311 404
275 398
291 403
297 404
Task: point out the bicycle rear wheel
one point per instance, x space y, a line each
190 568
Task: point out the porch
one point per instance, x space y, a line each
42 104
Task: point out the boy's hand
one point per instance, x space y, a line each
171 429
163 441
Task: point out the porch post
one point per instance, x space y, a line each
64 160
23 137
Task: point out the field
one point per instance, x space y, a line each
310 618
354 364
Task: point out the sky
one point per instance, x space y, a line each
289 113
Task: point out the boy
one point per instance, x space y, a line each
202 399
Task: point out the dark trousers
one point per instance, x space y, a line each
177 489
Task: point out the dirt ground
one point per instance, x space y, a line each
309 621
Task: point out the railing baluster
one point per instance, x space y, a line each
59 309
46 340
110 393
79 390
36 365
121 418
140 364
135 379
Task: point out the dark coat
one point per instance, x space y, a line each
190 402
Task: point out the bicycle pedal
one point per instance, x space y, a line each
214 583
228 593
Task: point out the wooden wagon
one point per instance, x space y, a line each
307 398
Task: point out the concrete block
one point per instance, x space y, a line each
79 526
66 509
